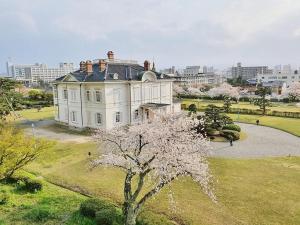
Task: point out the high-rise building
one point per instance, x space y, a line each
33 74
249 72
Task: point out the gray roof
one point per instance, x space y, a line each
124 71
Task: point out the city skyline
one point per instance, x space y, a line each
219 33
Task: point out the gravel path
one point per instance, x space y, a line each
261 142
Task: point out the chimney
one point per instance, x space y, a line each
82 66
146 65
102 65
89 66
110 56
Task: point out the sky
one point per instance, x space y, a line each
172 32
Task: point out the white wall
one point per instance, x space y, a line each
116 97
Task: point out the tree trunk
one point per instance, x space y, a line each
130 215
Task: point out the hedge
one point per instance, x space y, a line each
232 127
242 99
230 134
255 112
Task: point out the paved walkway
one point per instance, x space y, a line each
261 142
41 130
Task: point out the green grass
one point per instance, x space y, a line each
53 205
289 125
276 106
261 191
33 114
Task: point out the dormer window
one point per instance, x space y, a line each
116 76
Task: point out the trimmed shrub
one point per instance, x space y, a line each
230 134
232 127
4 197
91 206
28 184
33 185
192 108
211 132
106 216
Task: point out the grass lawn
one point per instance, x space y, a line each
261 191
290 125
53 205
33 114
276 106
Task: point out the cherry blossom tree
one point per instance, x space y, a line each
294 91
161 150
177 90
227 91
224 90
194 91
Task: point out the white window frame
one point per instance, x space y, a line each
118 117
65 94
98 94
96 118
74 116
88 95
136 114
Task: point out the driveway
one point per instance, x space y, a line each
261 142
41 129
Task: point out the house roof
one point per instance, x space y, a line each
123 72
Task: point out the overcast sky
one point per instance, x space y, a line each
173 32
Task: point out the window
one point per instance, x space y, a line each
147 113
65 94
88 96
73 116
118 117
98 118
136 114
98 96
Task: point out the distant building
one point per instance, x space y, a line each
279 77
203 78
32 74
192 70
171 70
195 70
250 72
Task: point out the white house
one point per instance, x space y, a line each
110 92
